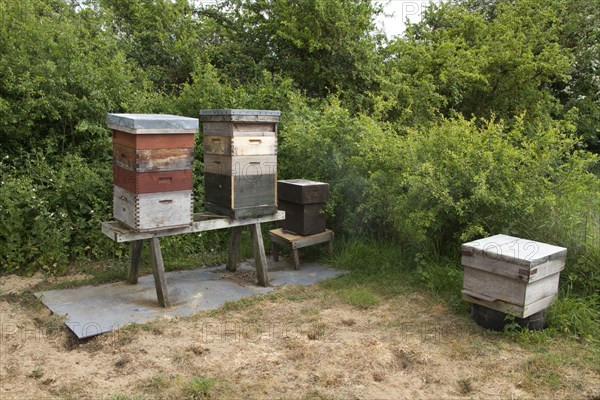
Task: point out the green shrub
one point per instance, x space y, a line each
50 214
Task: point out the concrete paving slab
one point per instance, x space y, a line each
93 310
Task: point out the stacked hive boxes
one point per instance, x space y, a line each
152 169
240 162
511 275
303 203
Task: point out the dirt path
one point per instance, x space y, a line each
302 343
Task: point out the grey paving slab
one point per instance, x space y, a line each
93 310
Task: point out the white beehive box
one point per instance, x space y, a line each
511 275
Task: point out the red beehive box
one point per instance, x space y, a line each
152 169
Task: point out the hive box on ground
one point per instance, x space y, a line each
152 169
303 202
515 276
240 162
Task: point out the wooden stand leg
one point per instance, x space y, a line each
234 248
296 258
259 255
135 257
158 269
330 248
274 251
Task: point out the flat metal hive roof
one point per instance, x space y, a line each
152 122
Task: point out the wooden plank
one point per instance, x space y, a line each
260 257
154 141
296 241
274 251
217 145
224 127
151 211
152 182
240 145
240 196
244 212
253 145
302 191
234 248
158 269
254 190
514 271
240 165
493 286
498 287
152 160
542 288
121 233
135 257
218 190
508 308
303 219
296 259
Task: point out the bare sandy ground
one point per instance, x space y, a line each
297 343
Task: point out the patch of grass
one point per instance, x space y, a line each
123 397
36 373
154 328
199 387
465 386
243 304
156 383
359 297
545 371
575 316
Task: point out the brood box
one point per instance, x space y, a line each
303 202
152 169
511 275
240 162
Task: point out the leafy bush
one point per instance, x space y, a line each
52 213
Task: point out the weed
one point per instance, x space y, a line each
156 383
123 397
199 387
465 386
36 373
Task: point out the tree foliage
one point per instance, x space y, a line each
475 122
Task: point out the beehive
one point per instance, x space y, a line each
303 202
240 162
152 169
512 275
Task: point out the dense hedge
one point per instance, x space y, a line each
482 119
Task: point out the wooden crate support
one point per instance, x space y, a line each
283 238
121 233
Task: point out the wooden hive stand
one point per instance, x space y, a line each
121 233
280 237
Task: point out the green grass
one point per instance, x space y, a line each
156 383
199 387
359 297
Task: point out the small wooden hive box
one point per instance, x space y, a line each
152 169
240 162
515 276
303 202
